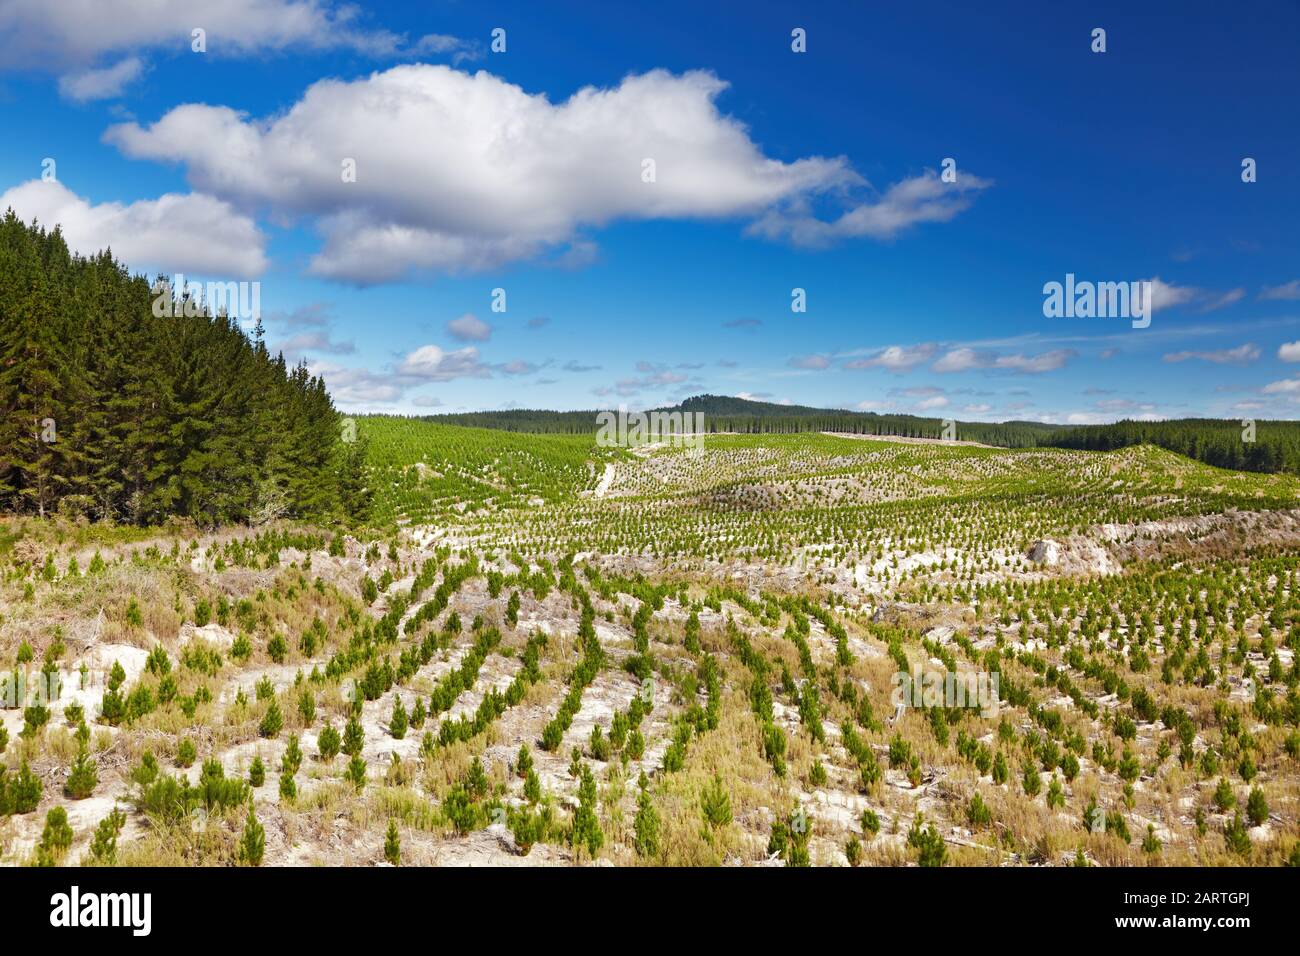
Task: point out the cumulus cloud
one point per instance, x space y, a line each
1287 386
897 358
920 199
967 359
458 171
1241 355
431 364
469 328
75 33
101 84
1289 352
190 233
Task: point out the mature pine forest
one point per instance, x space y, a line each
111 412
1275 446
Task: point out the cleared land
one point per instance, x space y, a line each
549 653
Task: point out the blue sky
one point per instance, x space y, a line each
774 170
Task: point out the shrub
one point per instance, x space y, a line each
853 851
392 844
978 813
715 803
397 723
1256 806
307 707
1236 837
252 845
329 743
353 737
870 823
257 772
57 835
82 778
272 720
356 772
927 840
103 845
586 830
647 824
186 753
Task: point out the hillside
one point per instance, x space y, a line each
1274 445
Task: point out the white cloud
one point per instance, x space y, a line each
1164 295
432 364
967 359
923 198
190 233
459 171
75 33
101 84
1241 355
934 401
1287 386
469 328
896 358
1286 291
1289 352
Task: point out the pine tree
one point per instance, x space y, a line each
392 844
252 845
397 722
103 846
647 824
715 803
272 720
328 741
82 777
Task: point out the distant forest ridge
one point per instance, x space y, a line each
1224 443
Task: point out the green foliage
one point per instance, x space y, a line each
83 776
329 743
926 839
272 720
56 838
252 844
393 844
103 845
157 415
715 803
586 831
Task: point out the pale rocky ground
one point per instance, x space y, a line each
351 831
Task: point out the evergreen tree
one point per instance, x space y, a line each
252 845
392 844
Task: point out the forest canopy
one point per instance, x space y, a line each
109 411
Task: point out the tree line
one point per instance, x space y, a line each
1274 446
110 411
